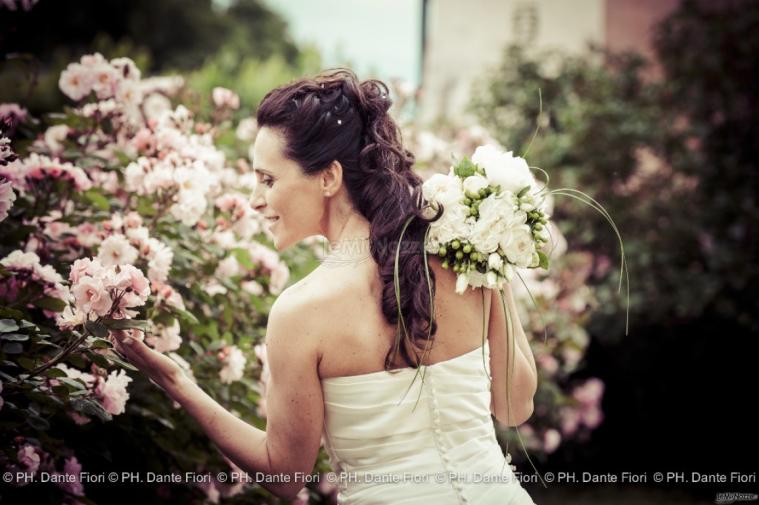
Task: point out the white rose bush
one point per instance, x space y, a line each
127 212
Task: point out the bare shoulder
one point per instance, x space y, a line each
300 316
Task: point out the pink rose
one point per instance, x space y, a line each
91 296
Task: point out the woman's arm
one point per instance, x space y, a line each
287 450
524 382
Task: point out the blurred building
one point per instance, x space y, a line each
461 40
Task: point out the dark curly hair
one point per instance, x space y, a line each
334 116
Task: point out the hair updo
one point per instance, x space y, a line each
334 116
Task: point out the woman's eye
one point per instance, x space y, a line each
268 181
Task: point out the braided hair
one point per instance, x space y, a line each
334 116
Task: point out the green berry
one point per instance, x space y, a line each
467 249
475 256
442 251
459 255
445 265
455 244
467 201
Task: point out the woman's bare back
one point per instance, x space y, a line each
356 337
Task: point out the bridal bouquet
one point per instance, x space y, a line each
493 218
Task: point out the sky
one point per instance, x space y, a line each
377 37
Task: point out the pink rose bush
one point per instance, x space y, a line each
128 212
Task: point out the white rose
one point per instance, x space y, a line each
504 169
452 224
520 248
486 235
498 209
444 189
474 183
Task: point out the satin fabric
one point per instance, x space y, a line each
393 439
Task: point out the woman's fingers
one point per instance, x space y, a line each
127 345
152 363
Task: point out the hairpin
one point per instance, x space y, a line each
339 121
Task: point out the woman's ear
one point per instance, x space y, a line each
332 178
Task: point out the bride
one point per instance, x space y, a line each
403 408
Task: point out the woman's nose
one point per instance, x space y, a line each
257 201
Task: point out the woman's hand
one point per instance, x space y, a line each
159 367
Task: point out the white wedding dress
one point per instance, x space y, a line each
443 451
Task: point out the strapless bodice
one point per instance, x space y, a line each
418 436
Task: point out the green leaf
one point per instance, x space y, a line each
145 207
543 260
243 257
185 316
15 337
125 324
465 168
27 324
8 325
36 422
97 199
123 158
73 384
197 348
100 343
8 312
50 303
98 359
13 348
97 328
61 390
26 363
164 318
76 360
90 407
121 362
54 373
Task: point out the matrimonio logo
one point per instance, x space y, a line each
725 498
353 251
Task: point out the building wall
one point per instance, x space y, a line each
630 25
464 38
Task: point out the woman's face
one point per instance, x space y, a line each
291 201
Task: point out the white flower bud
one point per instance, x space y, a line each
508 271
474 183
462 281
495 261
492 279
